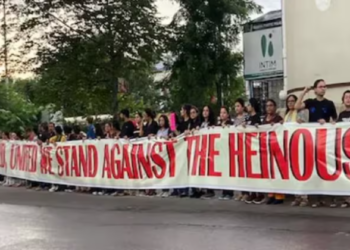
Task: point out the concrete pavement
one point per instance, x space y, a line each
40 220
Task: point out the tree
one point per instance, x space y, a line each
73 78
9 39
124 33
16 113
205 33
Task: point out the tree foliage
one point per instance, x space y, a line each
16 113
205 33
90 45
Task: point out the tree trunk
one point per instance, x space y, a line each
219 93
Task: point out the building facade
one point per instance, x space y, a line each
317 46
263 60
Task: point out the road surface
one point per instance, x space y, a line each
43 221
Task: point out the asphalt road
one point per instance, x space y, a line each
43 221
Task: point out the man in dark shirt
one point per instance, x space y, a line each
185 123
320 109
128 127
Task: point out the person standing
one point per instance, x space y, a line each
164 132
137 123
32 137
91 130
195 118
128 127
59 137
225 120
344 116
240 120
183 127
149 129
272 118
52 131
321 110
149 125
208 121
207 117
254 119
293 115
241 116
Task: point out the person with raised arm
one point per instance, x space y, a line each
321 110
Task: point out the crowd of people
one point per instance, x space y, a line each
316 110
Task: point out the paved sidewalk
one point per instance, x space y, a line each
20 196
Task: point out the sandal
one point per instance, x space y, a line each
333 205
304 203
345 204
295 203
317 204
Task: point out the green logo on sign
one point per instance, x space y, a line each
266 47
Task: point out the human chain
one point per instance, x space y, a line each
258 157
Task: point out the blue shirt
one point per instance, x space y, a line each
91 132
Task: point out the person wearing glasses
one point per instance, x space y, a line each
321 110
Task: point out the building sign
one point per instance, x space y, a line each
263 53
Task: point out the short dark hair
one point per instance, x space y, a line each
187 108
90 120
149 112
76 129
225 108
317 82
67 129
195 108
345 92
139 114
29 130
273 102
255 104
125 112
240 101
58 130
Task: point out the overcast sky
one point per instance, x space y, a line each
167 8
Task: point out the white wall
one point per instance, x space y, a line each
318 44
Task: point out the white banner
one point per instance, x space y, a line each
289 158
